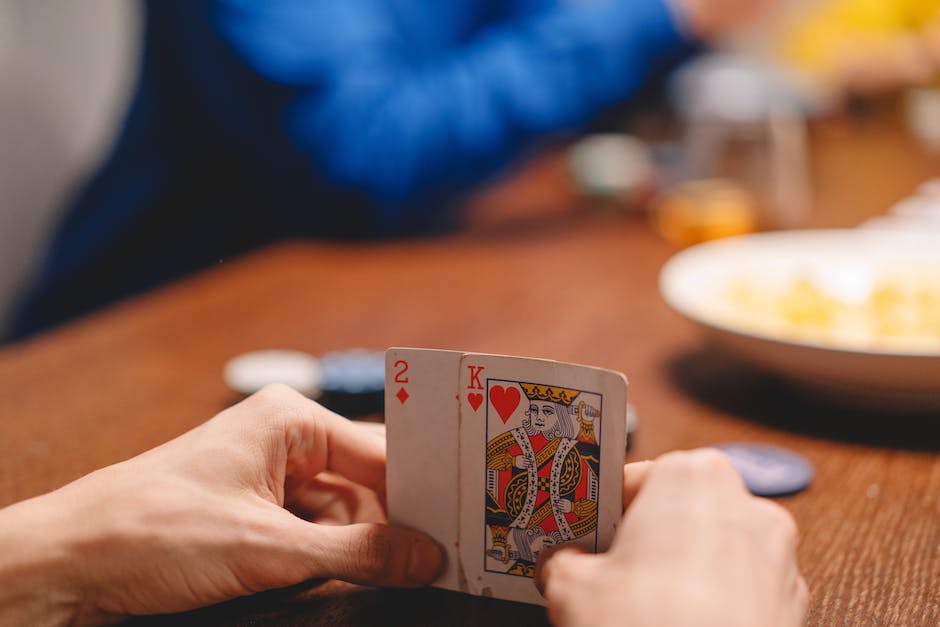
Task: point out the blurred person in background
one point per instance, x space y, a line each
254 121
862 47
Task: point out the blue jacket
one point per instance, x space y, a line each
255 120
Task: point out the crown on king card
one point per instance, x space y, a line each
536 392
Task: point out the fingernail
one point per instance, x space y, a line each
426 561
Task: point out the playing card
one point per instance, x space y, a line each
421 435
541 463
529 453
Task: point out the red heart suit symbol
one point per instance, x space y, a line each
475 400
505 400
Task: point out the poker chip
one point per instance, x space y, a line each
248 373
353 371
769 470
633 420
353 382
612 165
632 423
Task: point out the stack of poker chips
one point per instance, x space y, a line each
351 383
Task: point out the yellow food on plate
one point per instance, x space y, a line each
889 313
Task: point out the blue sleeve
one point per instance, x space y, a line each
373 114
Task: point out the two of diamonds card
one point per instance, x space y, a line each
499 457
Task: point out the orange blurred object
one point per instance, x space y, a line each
698 211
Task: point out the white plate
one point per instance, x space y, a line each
844 264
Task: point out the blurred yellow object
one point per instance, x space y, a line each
867 44
698 211
900 312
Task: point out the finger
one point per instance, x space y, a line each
633 477
353 451
370 554
708 468
329 498
558 562
779 533
801 602
375 428
700 478
318 439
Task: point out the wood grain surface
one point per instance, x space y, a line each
123 380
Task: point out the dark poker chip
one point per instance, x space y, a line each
352 382
769 470
633 423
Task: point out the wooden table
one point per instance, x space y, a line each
124 380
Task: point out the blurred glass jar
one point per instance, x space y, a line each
699 211
745 126
922 113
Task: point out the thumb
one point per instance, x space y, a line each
559 561
370 554
634 475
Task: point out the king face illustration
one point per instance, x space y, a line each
542 478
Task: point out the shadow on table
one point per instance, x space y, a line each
336 603
716 379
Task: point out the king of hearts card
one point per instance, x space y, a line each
542 471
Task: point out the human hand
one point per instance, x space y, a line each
694 548
202 519
706 19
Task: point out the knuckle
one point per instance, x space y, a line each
560 572
275 394
551 571
700 463
675 463
714 462
779 530
802 596
553 584
270 400
781 522
279 403
372 555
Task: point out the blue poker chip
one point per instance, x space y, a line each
356 371
353 382
769 470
